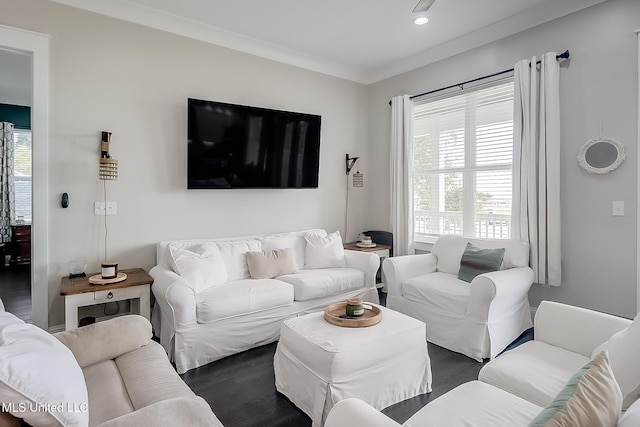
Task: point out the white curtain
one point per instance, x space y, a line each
7 205
401 179
536 164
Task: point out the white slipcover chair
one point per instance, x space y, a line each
478 319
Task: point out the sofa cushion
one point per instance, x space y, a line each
33 365
475 404
624 353
438 290
108 397
241 297
449 249
324 251
272 263
105 340
200 265
476 261
234 256
592 397
312 284
149 377
534 370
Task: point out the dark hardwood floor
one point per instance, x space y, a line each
240 388
15 290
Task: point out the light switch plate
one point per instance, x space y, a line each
618 208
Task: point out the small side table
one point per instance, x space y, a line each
78 292
381 250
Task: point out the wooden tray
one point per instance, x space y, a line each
98 280
372 316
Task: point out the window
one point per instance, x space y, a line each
22 173
463 154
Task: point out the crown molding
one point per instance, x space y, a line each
154 18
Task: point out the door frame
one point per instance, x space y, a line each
37 45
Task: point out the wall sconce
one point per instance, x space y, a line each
108 170
350 162
358 178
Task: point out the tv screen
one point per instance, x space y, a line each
237 146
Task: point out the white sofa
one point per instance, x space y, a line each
107 374
230 311
478 319
516 386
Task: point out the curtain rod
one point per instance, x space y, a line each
563 55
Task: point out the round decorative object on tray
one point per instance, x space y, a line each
98 280
366 245
372 316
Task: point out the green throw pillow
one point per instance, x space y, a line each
477 261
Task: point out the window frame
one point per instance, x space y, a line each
470 167
27 219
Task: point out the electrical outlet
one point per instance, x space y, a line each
101 209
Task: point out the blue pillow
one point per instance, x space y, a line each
477 261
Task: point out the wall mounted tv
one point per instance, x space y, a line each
237 146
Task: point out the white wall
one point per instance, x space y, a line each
111 75
133 81
15 78
598 87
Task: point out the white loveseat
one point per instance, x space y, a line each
516 386
230 311
478 319
108 374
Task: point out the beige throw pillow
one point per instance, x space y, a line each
270 264
592 397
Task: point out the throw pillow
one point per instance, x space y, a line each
624 353
201 266
270 264
40 380
477 261
324 251
234 256
592 397
284 241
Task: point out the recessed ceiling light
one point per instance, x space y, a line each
421 20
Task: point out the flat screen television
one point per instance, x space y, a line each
237 146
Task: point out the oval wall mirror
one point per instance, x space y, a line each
601 155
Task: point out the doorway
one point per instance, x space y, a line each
35 47
16 89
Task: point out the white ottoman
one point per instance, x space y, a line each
317 364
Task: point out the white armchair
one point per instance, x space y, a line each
478 319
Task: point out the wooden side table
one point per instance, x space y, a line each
78 292
381 250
